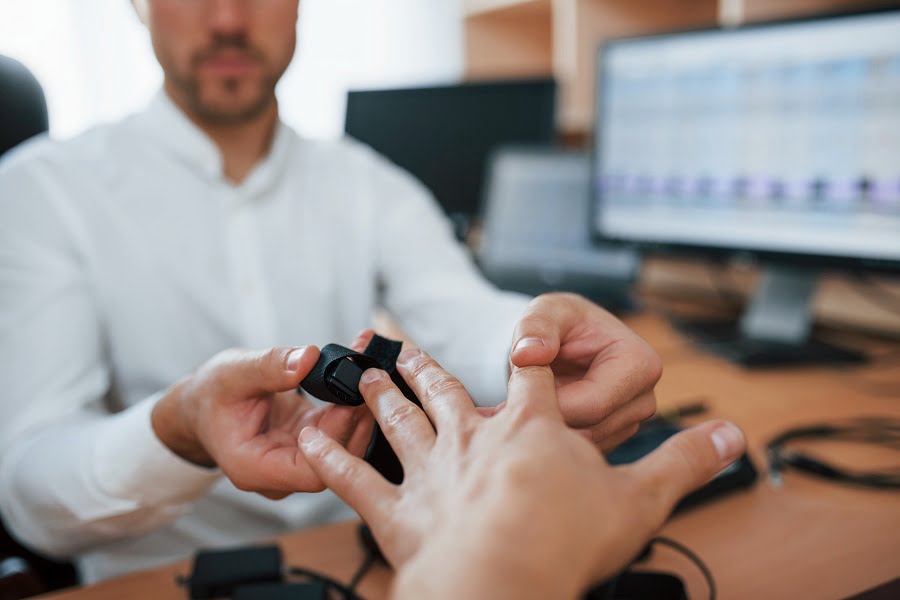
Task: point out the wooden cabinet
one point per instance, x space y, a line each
525 38
528 38
594 21
508 38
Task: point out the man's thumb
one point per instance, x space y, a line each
254 372
688 460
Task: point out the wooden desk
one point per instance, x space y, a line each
809 539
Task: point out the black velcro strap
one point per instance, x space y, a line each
335 379
385 351
331 379
321 383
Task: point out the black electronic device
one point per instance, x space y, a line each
257 572
775 142
218 573
739 475
315 590
886 591
639 586
443 135
535 236
344 380
335 378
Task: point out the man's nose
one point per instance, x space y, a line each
227 17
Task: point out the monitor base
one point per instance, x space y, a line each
724 338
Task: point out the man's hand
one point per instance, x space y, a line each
605 373
241 412
515 505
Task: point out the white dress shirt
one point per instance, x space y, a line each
127 260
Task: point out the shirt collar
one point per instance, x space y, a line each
184 139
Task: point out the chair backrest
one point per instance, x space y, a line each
23 108
23 114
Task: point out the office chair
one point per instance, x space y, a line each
23 108
23 114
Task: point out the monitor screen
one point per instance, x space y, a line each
444 135
534 237
777 138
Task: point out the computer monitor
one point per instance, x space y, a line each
534 234
779 141
443 135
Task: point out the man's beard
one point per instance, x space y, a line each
190 86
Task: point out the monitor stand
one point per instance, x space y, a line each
775 328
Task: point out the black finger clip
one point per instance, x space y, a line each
335 379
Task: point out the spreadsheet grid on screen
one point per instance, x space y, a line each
781 138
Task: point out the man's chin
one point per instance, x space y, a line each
231 110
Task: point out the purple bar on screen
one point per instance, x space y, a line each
659 185
721 187
797 189
758 187
885 193
842 192
632 183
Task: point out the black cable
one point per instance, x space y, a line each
691 556
367 563
865 430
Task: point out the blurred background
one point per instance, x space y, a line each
95 62
537 144
733 165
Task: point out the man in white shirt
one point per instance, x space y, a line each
133 255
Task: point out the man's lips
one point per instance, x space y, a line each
229 64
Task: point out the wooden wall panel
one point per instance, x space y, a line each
598 20
510 42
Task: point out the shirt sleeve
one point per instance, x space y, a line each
72 475
434 290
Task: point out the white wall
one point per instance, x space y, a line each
94 60
345 44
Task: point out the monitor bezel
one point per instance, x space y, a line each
541 83
762 255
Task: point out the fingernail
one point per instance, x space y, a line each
294 358
527 342
728 440
408 355
371 375
309 434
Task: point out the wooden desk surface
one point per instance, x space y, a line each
808 539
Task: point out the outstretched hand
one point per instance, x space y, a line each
515 505
241 412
